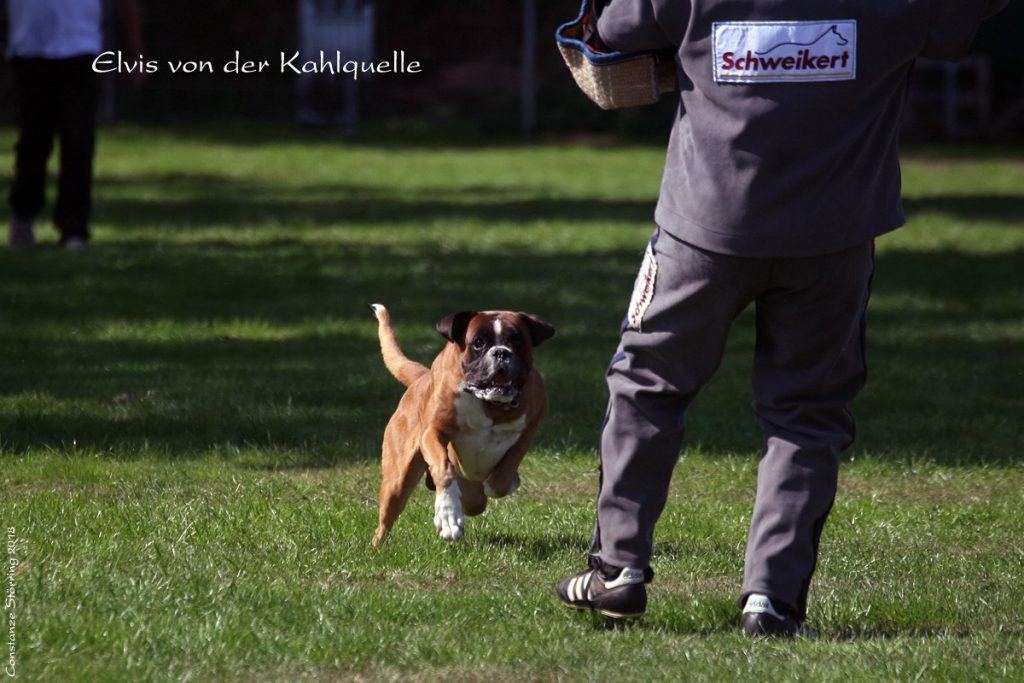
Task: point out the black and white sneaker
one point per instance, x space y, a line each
762 620
615 592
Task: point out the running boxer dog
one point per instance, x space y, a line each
467 421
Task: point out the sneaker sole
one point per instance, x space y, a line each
603 612
619 615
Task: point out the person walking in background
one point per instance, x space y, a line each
51 46
782 169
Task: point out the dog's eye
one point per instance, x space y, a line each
479 343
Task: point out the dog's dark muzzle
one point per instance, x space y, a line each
498 377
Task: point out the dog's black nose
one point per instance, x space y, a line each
502 355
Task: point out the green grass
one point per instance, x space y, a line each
190 414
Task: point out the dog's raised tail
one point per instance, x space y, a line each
405 371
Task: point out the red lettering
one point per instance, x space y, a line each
803 60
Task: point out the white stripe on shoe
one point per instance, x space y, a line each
581 587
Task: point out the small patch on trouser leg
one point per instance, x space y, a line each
643 289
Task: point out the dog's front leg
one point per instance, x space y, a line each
504 480
448 517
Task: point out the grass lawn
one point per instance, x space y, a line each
190 416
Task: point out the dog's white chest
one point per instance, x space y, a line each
482 442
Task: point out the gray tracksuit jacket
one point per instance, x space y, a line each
786 138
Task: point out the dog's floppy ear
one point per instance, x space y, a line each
453 327
540 329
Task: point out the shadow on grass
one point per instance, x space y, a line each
197 201
852 634
716 617
1007 210
533 547
130 349
439 133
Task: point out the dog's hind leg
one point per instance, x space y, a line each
474 501
400 476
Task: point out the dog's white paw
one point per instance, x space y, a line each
492 491
448 518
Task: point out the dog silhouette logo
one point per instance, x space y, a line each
833 30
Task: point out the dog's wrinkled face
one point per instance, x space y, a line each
497 350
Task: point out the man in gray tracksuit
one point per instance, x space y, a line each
782 168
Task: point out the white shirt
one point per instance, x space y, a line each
54 29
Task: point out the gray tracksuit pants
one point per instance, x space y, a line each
808 366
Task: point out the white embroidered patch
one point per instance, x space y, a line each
785 51
643 290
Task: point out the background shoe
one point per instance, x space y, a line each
21 233
73 243
762 620
618 593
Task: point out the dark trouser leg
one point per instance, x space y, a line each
808 367
36 127
77 129
653 378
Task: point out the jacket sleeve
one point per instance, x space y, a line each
953 25
632 26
